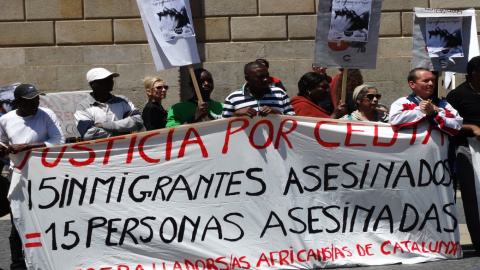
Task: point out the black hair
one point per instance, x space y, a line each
263 61
473 65
250 66
198 72
412 75
308 81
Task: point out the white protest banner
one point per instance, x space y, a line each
347 33
266 193
63 104
447 35
170 33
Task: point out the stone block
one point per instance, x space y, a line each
212 29
407 23
112 54
39 56
389 69
73 78
42 77
146 54
53 9
238 51
302 26
111 8
129 31
248 28
26 33
84 32
289 49
390 24
214 8
286 6
11 75
12 10
458 4
12 57
408 5
394 47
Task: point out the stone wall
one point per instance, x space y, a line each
53 43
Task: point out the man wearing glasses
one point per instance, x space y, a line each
422 105
190 111
103 115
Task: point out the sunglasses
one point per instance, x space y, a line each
371 96
162 87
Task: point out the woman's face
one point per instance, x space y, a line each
319 92
158 91
369 101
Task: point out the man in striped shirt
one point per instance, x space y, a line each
256 96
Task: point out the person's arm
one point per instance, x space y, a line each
447 120
228 108
55 134
132 120
86 126
404 113
201 112
147 117
173 117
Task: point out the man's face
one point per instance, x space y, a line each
205 83
28 107
424 85
103 85
258 78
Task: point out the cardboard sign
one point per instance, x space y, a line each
169 28
264 193
63 104
347 33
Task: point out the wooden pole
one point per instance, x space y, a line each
195 85
197 90
453 82
440 84
344 85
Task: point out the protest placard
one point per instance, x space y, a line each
347 33
454 33
63 105
262 193
170 33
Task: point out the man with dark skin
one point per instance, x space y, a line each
256 96
28 127
191 111
102 114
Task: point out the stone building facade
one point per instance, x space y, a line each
53 43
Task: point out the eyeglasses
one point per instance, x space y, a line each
371 96
162 87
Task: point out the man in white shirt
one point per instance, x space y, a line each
23 129
103 115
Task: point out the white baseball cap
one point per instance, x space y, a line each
99 73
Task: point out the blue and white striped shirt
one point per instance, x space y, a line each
276 98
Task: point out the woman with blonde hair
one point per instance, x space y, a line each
366 99
154 115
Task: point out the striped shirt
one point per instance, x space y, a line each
276 98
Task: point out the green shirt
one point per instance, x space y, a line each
181 112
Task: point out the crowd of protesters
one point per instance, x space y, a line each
103 114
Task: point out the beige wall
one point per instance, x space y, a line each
53 43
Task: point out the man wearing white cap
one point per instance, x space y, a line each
26 128
103 115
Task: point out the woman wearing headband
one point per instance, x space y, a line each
366 99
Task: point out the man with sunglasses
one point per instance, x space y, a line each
190 111
422 105
102 114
